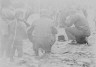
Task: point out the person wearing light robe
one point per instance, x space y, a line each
43 34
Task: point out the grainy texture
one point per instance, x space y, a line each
28 27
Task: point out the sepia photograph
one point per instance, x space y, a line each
47 33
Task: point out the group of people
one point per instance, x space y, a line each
14 28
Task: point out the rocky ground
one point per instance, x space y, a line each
63 55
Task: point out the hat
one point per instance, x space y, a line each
19 14
7 14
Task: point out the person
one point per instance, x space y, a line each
18 33
63 14
7 16
80 31
43 34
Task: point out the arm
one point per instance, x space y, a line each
26 23
27 14
54 30
29 32
72 20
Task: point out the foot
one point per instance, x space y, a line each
73 42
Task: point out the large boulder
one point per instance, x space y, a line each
92 39
92 42
60 47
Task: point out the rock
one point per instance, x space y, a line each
60 47
92 39
55 65
84 60
92 42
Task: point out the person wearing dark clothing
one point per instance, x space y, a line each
81 28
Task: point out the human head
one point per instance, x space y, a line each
46 13
7 14
19 14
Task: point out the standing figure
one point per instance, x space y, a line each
7 16
18 32
42 34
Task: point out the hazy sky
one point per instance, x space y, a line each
53 3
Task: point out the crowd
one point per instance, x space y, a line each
41 30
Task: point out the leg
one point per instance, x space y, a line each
46 45
37 43
35 48
8 49
69 32
80 35
20 49
12 53
2 50
4 43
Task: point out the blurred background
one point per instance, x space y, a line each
53 5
